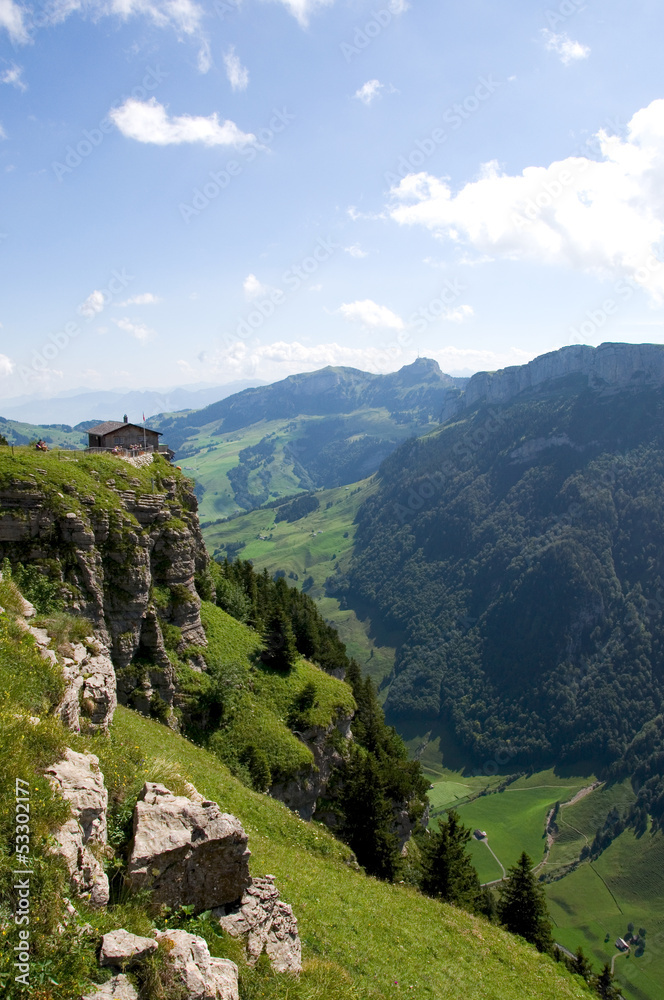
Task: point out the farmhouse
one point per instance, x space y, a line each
122 436
622 945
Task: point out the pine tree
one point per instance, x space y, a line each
280 651
604 984
580 965
367 822
447 871
522 907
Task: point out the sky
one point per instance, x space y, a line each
201 191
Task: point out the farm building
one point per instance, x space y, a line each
622 945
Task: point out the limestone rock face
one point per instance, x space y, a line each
78 779
604 368
187 853
302 792
122 948
90 694
204 977
117 557
117 988
268 925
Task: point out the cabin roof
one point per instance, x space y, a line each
101 430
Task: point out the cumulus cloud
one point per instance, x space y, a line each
92 305
369 91
371 314
604 216
12 20
458 315
148 121
356 251
303 9
12 76
238 75
276 360
253 288
138 330
6 365
568 50
184 16
144 299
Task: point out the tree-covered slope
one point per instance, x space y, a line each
521 551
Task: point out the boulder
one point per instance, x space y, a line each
204 977
117 988
78 779
187 853
122 948
268 925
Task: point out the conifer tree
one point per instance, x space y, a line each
522 907
604 984
447 871
368 819
280 651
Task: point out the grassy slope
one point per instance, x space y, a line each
15 430
390 938
305 548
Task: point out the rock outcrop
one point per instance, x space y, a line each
267 924
204 977
112 550
90 694
122 948
84 836
117 988
603 368
302 792
187 853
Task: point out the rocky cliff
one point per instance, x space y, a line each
607 367
116 544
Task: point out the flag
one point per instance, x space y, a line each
143 418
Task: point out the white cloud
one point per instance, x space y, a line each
204 57
3 134
601 216
92 305
356 251
12 76
11 19
183 15
458 315
275 361
253 288
452 359
303 9
238 75
138 330
144 299
369 91
6 365
371 314
568 50
185 367
148 121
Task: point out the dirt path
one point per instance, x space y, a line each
550 831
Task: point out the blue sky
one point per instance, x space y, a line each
209 191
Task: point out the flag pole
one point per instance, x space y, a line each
144 444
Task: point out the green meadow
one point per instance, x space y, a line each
309 551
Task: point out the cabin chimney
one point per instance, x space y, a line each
125 418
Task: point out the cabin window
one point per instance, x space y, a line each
116 440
